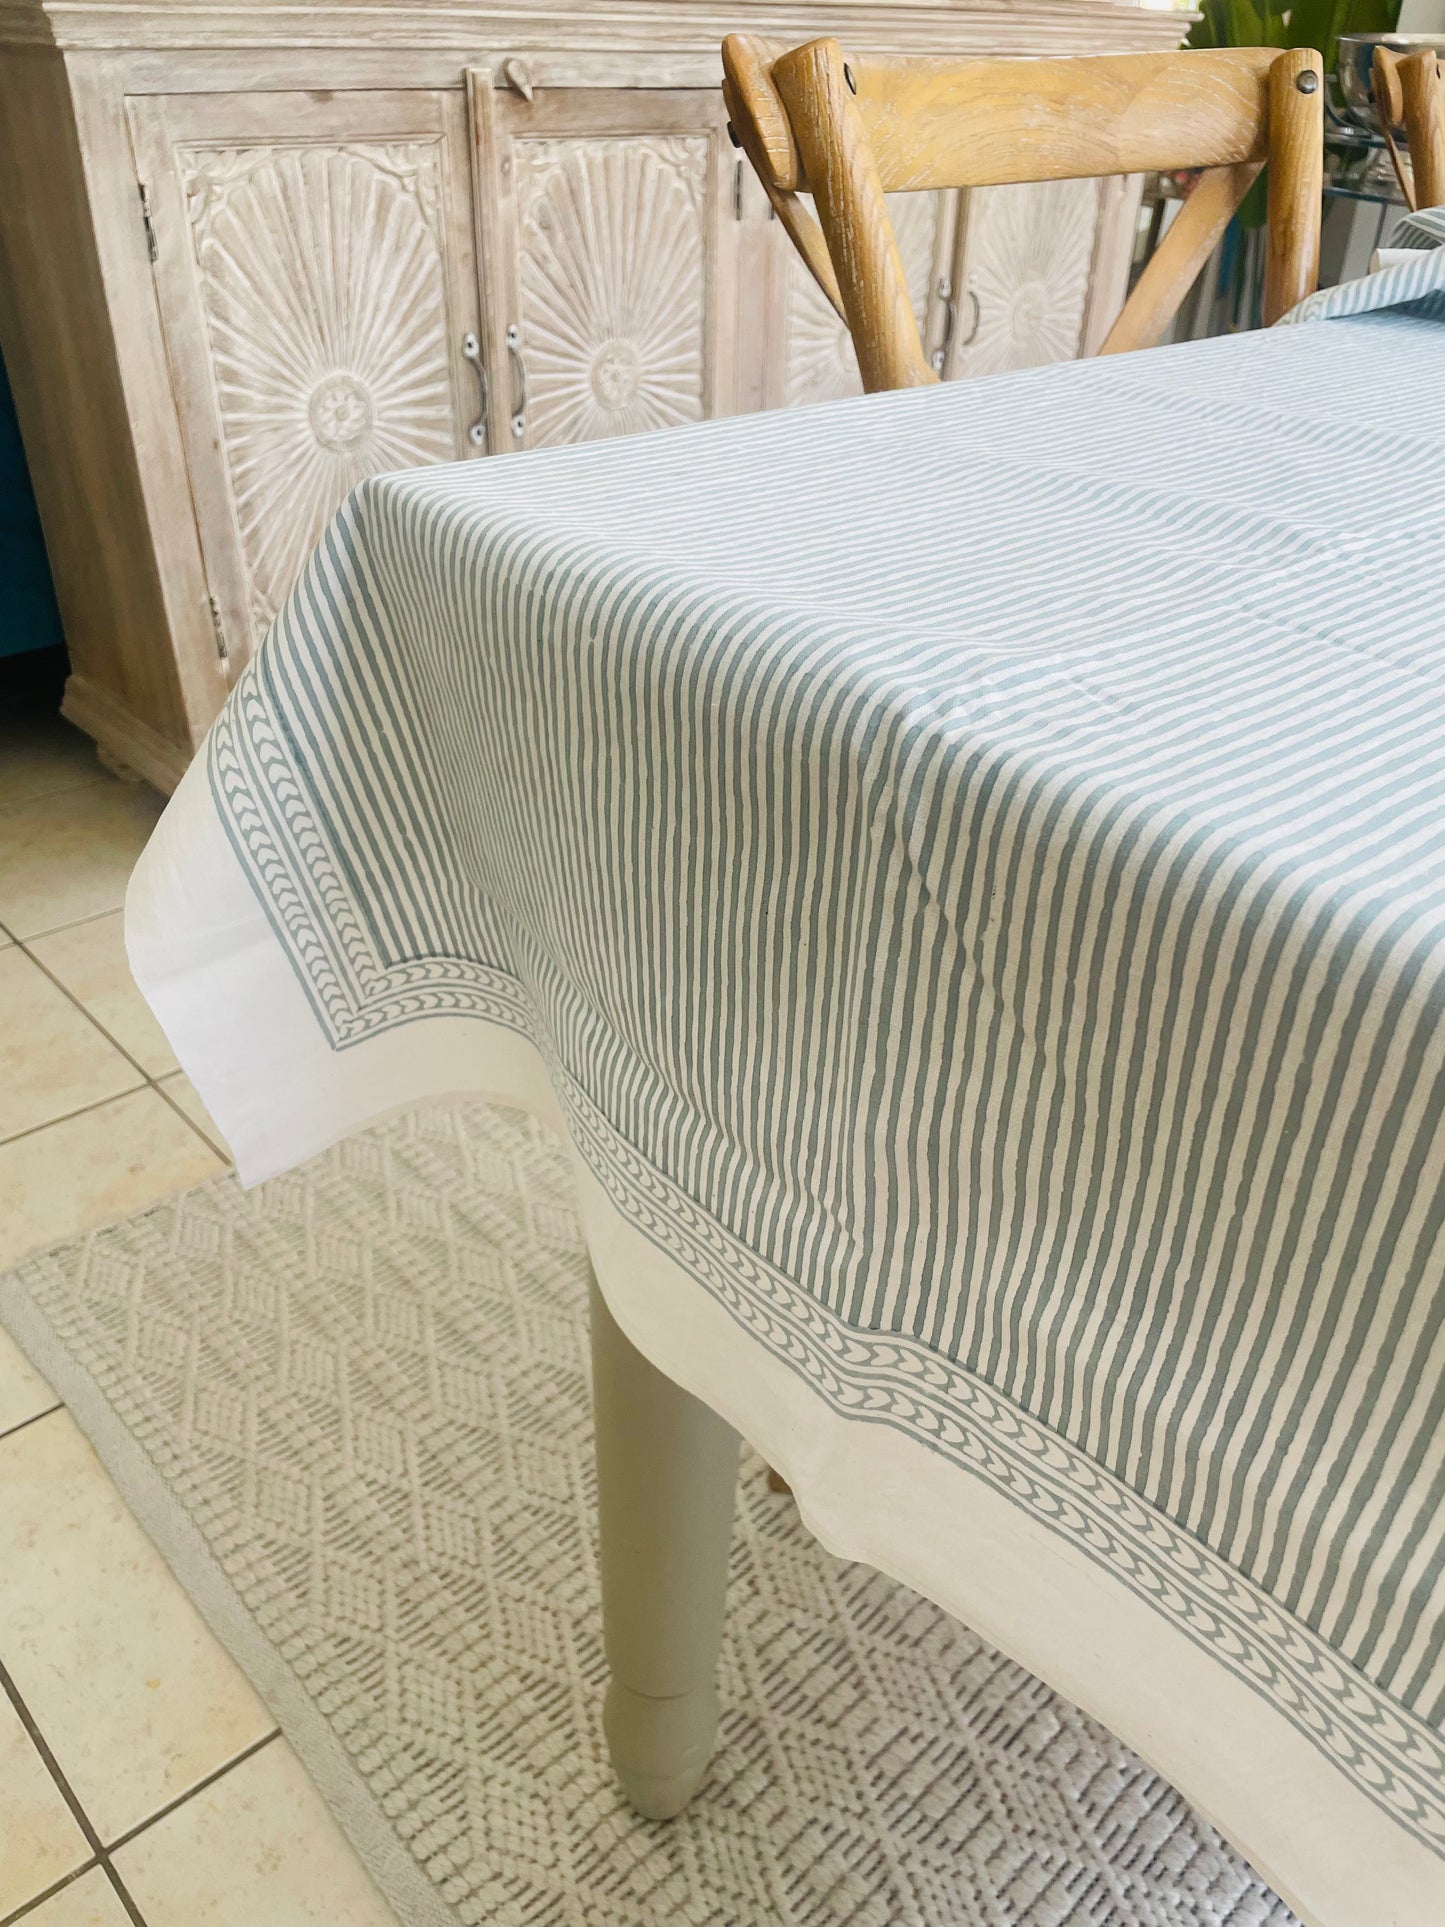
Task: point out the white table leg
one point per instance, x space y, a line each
666 1478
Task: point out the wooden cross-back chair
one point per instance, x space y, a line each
1410 93
849 132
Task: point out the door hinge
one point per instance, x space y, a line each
148 223
738 191
218 630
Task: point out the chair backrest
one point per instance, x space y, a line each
1410 93
850 132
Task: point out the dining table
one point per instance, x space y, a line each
963 871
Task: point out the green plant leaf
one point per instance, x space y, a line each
1243 24
1316 23
1319 23
1371 16
1308 23
1207 30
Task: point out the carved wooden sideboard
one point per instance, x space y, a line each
250 254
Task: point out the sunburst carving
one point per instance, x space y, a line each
323 287
1029 253
613 283
821 365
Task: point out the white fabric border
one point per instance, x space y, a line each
207 960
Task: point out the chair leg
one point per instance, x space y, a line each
666 1479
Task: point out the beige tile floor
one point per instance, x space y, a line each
142 1783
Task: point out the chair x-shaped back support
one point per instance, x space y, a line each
849 132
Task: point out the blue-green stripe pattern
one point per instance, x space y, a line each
974 863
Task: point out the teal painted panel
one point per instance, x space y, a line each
29 618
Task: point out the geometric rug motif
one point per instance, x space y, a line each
352 1407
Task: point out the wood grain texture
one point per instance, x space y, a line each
1390 107
987 125
608 242
817 359
754 114
287 404
1296 179
1172 270
1385 86
842 174
157 445
123 738
60 355
1028 260
945 123
1120 196
139 419
1422 90
653 30
762 123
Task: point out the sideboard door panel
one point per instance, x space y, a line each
314 269
1025 268
607 237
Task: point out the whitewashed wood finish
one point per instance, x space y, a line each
608 239
1026 260
669 42
1120 197
612 283
1035 268
310 323
321 278
818 359
125 742
130 424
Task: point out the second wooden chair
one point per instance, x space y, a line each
1410 94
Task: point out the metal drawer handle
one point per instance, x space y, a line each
472 352
939 357
972 335
519 408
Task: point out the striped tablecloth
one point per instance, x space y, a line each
966 871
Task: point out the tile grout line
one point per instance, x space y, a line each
99 777
9 1431
148 1078
219 1773
100 1853
36 1901
221 1152
67 1793
155 1084
84 1110
45 796
59 929
76 923
23 944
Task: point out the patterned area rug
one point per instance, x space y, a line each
352 1408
